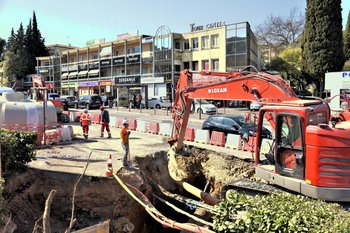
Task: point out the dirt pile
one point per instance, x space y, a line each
97 200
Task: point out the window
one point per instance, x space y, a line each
186 65
214 41
195 65
228 122
194 43
177 68
177 45
205 42
186 44
215 64
81 58
205 65
95 56
318 118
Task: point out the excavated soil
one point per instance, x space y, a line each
99 199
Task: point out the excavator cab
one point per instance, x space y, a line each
289 152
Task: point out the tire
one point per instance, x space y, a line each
199 110
157 106
87 106
76 106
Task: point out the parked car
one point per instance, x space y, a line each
70 100
233 124
204 107
55 96
88 102
158 102
255 106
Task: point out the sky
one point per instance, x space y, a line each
77 21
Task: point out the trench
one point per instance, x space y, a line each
101 198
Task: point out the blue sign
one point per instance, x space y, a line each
346 74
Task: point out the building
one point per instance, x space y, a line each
150 65
337 87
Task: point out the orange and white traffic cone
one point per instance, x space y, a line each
109 171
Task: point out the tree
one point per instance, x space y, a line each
35 43
322 41
347 39
279 32
2 47
16 56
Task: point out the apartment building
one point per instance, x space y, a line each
150 65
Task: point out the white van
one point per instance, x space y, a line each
6 89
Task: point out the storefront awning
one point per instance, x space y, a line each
94 72
107 51
64 75
83 73
72 74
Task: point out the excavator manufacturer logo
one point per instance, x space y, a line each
217 90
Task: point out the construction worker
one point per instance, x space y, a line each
85 121
124 136
105 122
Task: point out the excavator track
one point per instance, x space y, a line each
250 187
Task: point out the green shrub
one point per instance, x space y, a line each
278 213
17 149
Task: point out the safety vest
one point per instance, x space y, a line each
84 119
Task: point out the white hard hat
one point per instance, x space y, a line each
125 122
85 111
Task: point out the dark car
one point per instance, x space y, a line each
88 102
233 124
70 100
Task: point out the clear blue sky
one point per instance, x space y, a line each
76 21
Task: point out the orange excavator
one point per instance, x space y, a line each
38 93
306 154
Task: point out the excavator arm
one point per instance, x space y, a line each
237 85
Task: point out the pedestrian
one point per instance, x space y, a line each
124 136
85 121
134 101
139 99
105 122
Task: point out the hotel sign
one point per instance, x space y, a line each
119 61
195 28
106 62
133 59
132 80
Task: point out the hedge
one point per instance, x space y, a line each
17 149
278 213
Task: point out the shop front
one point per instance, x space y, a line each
129 87
106 87
70 88
155 86
88 88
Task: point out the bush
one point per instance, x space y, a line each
278 213
17 149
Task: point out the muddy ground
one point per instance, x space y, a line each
99 199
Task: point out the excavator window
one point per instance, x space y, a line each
289 152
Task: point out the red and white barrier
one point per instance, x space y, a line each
189 134
233 141
153 127
112 121
165 129
132 124
217 138
142 126
96 119
202 136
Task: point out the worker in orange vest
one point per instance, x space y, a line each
85 121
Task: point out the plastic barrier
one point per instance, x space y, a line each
153 128
217 138
189 134
266 146
112 121
250 145
119 122
74 116
52 135
233 141
202 136
165 129
66 134
132 124
96 119
142 126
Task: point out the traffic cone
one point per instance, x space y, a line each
109 171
